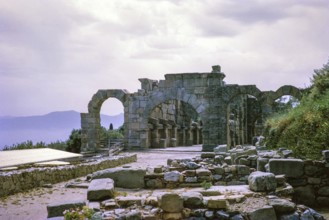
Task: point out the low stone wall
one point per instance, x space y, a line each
21 180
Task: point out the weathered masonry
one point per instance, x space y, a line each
185 109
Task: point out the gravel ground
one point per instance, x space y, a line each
31 205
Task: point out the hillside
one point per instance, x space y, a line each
47 128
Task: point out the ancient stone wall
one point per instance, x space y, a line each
185 109
21 180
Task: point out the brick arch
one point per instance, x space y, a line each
101 96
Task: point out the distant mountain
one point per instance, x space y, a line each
47 128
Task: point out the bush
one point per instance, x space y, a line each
74 141
25 145
305 128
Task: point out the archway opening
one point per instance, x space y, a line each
111 121
174 123
244 120
285 103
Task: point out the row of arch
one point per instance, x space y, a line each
90 121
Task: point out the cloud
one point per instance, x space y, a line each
56 55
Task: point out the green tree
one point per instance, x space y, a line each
111 126
74 141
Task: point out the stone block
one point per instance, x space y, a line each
191 179
173 176
313 181
304 195
289 167
261 181
261 162
216 202
208 155
286 190
192 200
203 172
282 206
171 202
280 180
267 212
127 201
189 173
57 209
228 160
100 189
324 191
130 178
295 182
243 170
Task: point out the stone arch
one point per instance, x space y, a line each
287 90
101 96
269 97
179 94
90 122
241 121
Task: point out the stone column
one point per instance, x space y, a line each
90 132
189 139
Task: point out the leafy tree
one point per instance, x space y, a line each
111 127
74 141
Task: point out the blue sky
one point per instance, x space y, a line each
54 55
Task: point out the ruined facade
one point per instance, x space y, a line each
185 109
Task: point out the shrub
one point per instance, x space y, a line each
304 129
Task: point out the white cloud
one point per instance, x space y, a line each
56 55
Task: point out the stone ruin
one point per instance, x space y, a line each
185 109
243 184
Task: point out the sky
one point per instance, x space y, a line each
55 54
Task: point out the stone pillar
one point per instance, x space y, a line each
89 132
189 139
155 136
164 140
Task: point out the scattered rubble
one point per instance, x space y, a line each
222 185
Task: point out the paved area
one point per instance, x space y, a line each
19 157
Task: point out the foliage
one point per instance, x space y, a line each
25 145
304 129
77 214
58 145
74 141
206 185
114 134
